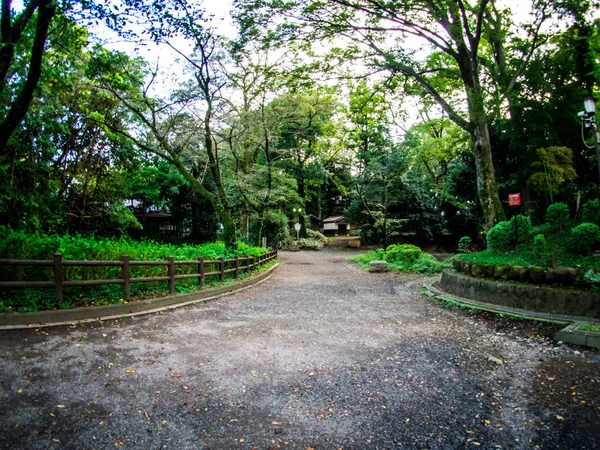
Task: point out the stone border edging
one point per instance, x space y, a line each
573 335
490 307
570 334
117 311
537 299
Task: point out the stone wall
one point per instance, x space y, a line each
534 298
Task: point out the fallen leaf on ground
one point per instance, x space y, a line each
560 418
129 371
118 442
61 406
176 375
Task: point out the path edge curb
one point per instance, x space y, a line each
570 334
118 311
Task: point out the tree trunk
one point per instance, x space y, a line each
222 202
486 179
20 105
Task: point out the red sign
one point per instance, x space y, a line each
514 199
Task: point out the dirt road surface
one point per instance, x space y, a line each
322 355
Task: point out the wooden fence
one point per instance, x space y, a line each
235 265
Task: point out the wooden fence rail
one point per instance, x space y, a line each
59 283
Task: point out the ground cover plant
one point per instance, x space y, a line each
403 258
20 245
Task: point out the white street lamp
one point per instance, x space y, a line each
590 105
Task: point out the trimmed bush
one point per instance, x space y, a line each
584 236
407 253
539 245
591 211
523 228
499 237
557 215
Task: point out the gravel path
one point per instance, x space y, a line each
320 356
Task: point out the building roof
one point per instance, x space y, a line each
333 219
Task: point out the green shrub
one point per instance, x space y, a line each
407 253
523 228
316 236
539 245
310 244
428 264
465 244
275 228
293 245
499 237
592 277
557 215
591 211
425 263
584 236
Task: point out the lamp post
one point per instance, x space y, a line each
297 225
589 118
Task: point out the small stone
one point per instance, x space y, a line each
378 267
495 360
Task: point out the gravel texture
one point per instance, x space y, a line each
322 355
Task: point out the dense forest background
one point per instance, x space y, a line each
414 121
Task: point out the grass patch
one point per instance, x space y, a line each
592 327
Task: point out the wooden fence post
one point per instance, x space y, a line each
222 268
171 274
58 275
126 276
247 263
237 267
201 270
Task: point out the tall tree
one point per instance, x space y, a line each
380 32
